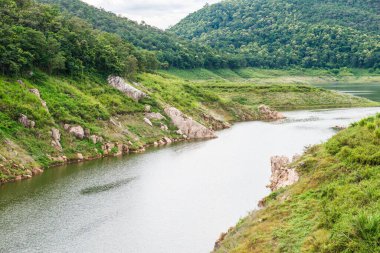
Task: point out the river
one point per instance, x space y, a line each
175 199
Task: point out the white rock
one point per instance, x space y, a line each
120 84
188 126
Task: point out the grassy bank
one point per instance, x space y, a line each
333 208
107 113
280 76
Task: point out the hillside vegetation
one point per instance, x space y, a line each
169 49
278 33
36 36
333 208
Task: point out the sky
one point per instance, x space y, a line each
158 13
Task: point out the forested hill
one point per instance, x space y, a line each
276 33
170 49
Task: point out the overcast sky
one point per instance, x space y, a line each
159 13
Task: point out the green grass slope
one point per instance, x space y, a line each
333 208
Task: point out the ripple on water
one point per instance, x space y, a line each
106 187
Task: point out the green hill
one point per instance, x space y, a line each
170 49
278 33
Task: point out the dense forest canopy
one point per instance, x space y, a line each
278 33
37 36
171 50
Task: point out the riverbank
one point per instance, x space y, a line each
48 121
334 207
120 203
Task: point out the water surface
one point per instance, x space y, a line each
176 199
366 90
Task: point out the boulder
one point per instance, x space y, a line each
282 174
147 108
96 139
164 127
154 116
80 157
38 94
266 113
167 140
23 119
77 131
120 84
188 126
56 138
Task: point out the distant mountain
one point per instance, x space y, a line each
276 33
171 50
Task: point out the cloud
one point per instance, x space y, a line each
159 13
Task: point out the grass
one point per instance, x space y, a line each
211 97
333 208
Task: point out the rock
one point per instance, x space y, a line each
37 171
66 127
188 126
154 116
77 131
35 92
38 94
167 140
21 82
338 128
80 157
114 122
56 138
282 174
96 139
23 119
120 84
87 132
155 144
18 178
164 127
146 120
266 113
147 108
179 132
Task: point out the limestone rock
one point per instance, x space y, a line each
167 140
56 139
23 119
188 126
164 127
146 120
147 108
266 113
120 84
77 131
80 157
38 94
154 116
282 174
96 139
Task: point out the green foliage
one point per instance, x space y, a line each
38 36
170 49
307 33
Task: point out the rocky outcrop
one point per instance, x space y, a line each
188 126
23 119
154 116
56 139
120 84
266 113
282 174
77 131
214 122
96 139
38 94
